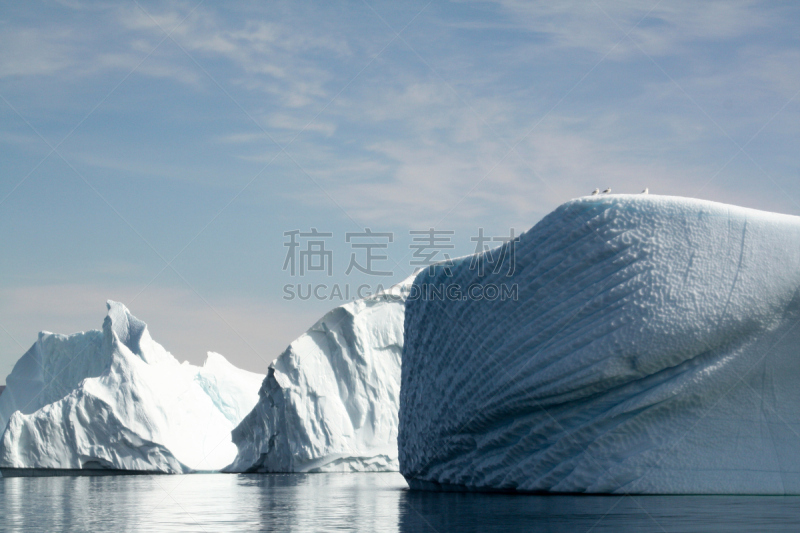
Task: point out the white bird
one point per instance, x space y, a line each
595 191
607 191
646 191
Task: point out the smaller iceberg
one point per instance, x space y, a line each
116 400
329 403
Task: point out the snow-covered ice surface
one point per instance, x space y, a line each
329 402
654 348
116 399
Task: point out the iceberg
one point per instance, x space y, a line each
329 403
646 345
116 401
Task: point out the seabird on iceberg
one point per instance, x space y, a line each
595 191
607 191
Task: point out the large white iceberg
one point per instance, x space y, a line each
329 402
117 400
653 346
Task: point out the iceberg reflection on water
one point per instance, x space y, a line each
369 502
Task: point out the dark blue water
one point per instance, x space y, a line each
357 502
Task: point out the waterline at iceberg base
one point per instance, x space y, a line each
115 401
654 349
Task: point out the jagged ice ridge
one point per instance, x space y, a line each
115 399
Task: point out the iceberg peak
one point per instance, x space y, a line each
127 328
130 332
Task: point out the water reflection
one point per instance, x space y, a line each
327 502
357 502
467 512
213 502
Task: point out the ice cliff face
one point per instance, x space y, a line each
117 399
654 347
329 402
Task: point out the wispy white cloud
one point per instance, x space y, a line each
285 121
269 56
240 138
20 139
431 141
36 52
665 28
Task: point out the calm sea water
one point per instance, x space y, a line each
357 502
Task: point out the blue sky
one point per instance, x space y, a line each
155 153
